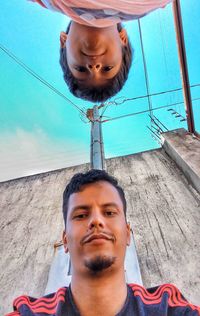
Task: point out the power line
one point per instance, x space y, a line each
34 74
115 102
82 113
145 111
164 45
145 68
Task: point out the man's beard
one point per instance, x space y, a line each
99 264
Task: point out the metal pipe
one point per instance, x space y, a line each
160 122
183 65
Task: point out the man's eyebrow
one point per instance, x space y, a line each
87 207
110 204
81 206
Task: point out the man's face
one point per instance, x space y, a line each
94 55
96 228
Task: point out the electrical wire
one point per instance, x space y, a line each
145 69
164 45
145 96
104 110
145 111
82 113
35 75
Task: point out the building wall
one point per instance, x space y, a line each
163 209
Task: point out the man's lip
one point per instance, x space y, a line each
97 236
93 55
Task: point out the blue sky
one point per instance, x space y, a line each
40 131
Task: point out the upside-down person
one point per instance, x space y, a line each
95 53
96 235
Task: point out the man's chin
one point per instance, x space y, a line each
99 263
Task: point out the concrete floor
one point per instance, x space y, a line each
163 208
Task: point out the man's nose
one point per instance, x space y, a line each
94 67
96 221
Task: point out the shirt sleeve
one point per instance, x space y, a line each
25 305
166 297
134 8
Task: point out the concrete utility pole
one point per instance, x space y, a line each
97 151
132 268
183 66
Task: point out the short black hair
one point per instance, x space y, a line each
99 93
81 179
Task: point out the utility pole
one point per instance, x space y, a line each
183 66
132 268
97 160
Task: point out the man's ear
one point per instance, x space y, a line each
124 37
63 38
128 229
64 239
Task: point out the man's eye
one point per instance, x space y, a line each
81 68
107 68
110 213
80 216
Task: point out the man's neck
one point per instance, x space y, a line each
100 295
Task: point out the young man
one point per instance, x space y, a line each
95 53
96 235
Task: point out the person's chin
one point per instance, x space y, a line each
99 263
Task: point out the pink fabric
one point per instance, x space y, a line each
134 7
127 6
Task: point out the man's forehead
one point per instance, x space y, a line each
100 189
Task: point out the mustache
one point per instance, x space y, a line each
98 234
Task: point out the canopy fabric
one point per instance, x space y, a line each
105 12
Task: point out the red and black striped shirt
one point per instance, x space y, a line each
164 300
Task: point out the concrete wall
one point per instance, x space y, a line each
164 211
184 149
